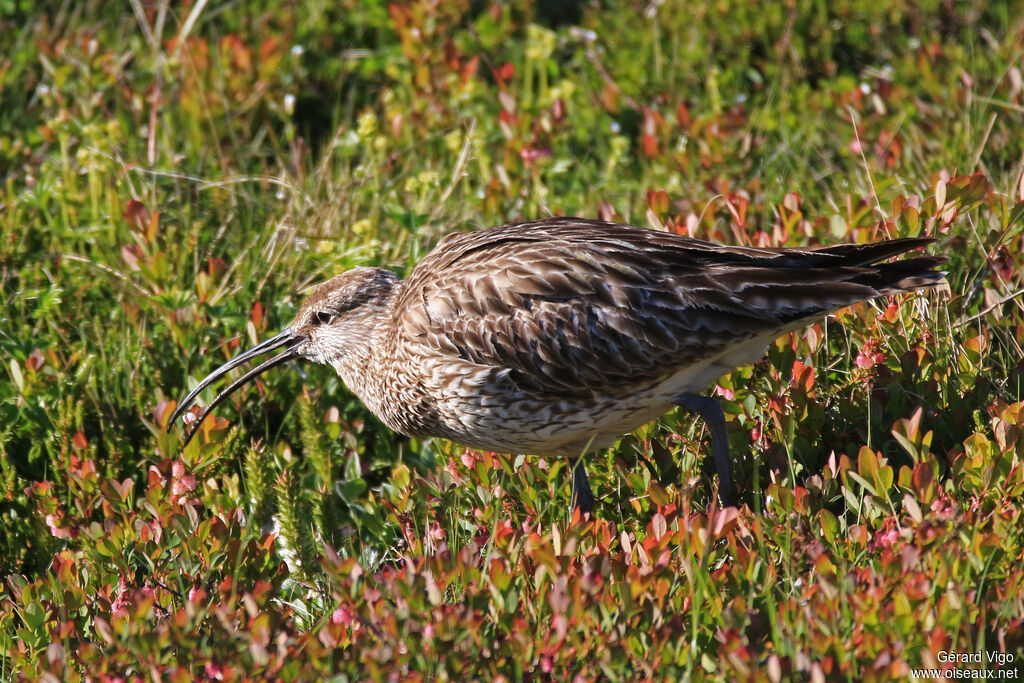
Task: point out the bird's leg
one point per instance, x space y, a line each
582 496
711 411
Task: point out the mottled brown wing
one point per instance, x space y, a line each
571 306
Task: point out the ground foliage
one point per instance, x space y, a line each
176 175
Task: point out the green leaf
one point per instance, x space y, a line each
867 485
907 444
19 381
829 525
867 463
350 490
1016 215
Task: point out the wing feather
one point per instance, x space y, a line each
571 307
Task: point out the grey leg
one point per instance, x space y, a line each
711 411
582 496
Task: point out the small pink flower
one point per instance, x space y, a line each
942 509
452 469
865 361
53 522
178 469
887 538
119 607
183 486
468 459
728 394
530 154
342 616
436 532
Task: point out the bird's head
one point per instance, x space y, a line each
334 326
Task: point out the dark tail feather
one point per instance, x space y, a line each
866 254
797 295
906 275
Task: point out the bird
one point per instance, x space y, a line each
556 337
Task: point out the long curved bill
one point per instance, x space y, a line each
286 338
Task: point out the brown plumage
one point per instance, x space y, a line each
558 336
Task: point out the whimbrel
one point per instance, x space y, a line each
556 337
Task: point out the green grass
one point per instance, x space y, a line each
175 178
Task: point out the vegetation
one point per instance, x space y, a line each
175 176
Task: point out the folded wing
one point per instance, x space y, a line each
572 307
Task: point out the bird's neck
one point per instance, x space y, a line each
360 366
385 378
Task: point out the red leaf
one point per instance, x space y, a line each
35 360
131 255
216 267
737 205
1002 263
649 143
154 223
658 201
683 115
257 315
803 376
504 72
607 212
137 215
725 519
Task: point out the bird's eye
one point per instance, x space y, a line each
323 317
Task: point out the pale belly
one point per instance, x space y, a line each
514 422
